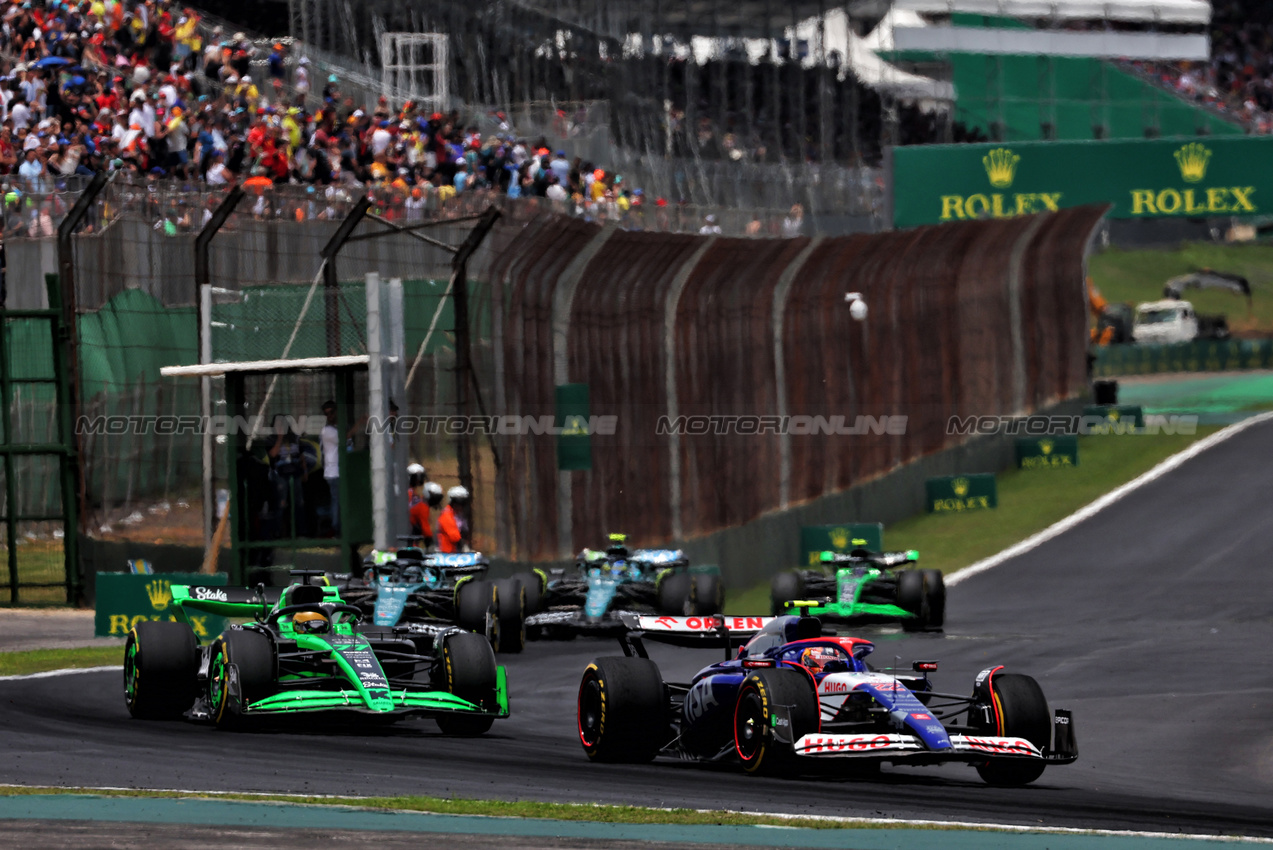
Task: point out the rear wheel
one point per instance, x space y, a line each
1025 714
755 719
910 597
674 594
622 710
252 654
468 670
935 596
510 595
707 594
786 587
475 609
161 669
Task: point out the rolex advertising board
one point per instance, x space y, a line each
1182 177
961 493
816 539
1051 452
124 600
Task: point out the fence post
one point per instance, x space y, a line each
71 361
463 353
203 300
331 283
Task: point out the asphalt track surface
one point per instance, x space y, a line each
1151 621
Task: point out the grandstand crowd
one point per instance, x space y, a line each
1238 79
144 87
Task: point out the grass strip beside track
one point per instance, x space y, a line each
24 662
595 813
1029 501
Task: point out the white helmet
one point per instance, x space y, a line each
415 475
433 493
415 469
457 494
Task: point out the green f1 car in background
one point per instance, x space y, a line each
304 654
865 586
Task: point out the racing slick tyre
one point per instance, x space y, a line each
622 710
468 671
1021 712
161 670
534 585
707 595
674 594
510 599
252 654
935 596
912 595
755 730
786 587
475 609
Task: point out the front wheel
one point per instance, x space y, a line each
161 669
468 670
510 605
758 717
252 655
1025 714
674 594
622 710
475 609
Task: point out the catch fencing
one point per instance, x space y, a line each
658 320
734 335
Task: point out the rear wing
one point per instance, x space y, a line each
711 631
457 563
863 556
226 601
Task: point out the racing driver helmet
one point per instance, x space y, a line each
310 623
816 657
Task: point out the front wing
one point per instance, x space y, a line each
405 702
893 746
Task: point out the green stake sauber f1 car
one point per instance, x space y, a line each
865 586
303 654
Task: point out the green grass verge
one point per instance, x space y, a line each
21 662
594 813
1029 501
1137 276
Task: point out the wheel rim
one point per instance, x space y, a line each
216 681
749 726
590 712
130 672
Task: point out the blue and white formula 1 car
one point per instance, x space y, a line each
792 695
411 592
606 585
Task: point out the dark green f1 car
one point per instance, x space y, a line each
304 654
865 586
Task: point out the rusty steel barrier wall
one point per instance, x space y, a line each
975 318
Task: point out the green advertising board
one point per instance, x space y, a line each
816 539
961 493
125 599
1198 356
1141 178
1047 452
1122 418
574 442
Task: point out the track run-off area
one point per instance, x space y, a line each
1151 619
